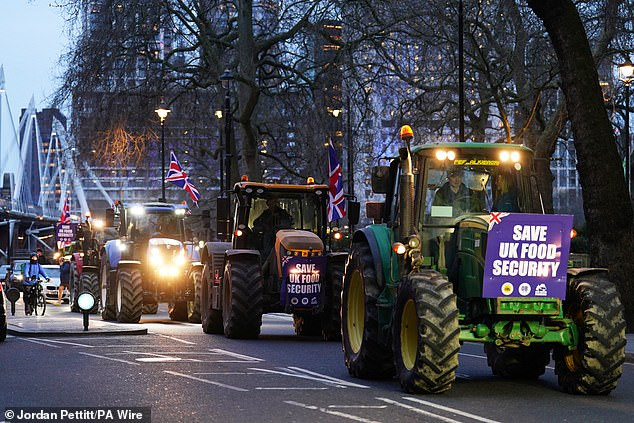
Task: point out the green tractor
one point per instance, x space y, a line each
461 250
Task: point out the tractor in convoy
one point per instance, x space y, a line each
150 261
461 250
278 260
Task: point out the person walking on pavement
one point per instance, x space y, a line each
64 278
41 259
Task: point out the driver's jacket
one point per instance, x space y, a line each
30 270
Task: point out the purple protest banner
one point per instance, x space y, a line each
66 232
301 281
527 255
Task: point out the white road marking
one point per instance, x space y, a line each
70 343
158 359
418 410
109 358
327 380
473 355
40 342
235 355
228 373
173 338
358 406
451 410
211 382
289 388
629 364
286 317
463 376
334 379
331 412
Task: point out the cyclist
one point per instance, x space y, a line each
32 271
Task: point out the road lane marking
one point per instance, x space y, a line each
472 355
70 343
286 317
174 338
451 410
334 379
331 412
328 381
228 373
418 410
463 376
40 342
235 355
109 358
211 382
290 388
358 406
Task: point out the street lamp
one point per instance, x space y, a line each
226 78
626 74
162 113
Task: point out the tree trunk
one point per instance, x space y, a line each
248 90
606 202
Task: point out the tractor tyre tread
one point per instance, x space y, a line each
244 317
331 316
193 311
131 296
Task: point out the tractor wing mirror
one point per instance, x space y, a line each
354 209
374 210
380 179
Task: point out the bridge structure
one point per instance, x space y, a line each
38 175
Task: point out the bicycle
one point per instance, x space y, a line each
34 300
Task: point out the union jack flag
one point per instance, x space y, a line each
65 217
336 200
178 177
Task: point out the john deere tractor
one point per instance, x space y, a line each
278 260
461 251
149 262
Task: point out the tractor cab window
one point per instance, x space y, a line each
286 211
154 225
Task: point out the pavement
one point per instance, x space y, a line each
58 320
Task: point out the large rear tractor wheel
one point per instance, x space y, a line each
129 304
426 336
107 295
242 298
177 311
89 282
211 318
193 307
331 316
365 357
596 365
307 324
518 363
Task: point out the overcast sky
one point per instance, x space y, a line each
32 38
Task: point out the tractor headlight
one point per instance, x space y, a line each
20 277
180 259
399 248
156 259
121 246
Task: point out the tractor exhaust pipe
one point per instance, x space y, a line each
406 185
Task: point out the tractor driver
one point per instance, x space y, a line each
267 224
456 194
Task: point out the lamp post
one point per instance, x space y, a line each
350 172
218 114
226 78
162 113
626 74
461 70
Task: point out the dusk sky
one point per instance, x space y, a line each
33 35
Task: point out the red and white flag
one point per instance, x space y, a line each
65 217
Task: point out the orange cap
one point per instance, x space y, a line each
406 132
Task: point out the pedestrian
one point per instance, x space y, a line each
64 278
41 259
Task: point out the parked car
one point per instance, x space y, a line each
51 288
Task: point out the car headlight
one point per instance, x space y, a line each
20 277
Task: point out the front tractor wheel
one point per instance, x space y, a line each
364 355
242 298
210 317
193 307
595 366
331 316
129 303
426 336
